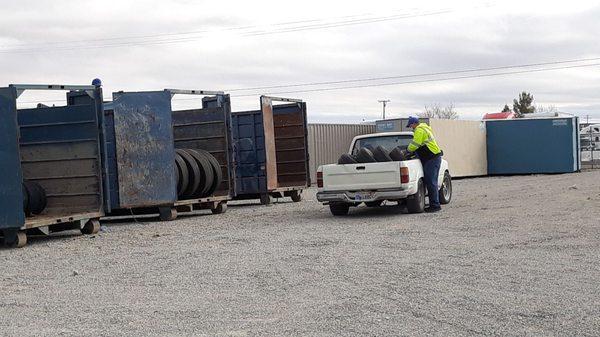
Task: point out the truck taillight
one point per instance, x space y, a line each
404 176
319 179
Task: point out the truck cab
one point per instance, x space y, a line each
342 186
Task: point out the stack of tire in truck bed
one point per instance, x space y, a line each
370 154
198 173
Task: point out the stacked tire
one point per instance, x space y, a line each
198 173
379 154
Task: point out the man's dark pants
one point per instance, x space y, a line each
431 170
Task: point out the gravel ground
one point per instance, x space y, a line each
509 256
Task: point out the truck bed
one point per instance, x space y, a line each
369 176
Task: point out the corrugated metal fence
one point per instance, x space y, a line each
326 142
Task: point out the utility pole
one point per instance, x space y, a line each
384 102
592 143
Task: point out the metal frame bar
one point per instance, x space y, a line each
89 89
282 99
194 92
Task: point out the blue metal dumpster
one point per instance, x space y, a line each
58 149
533 145
209 129
271 151
142 133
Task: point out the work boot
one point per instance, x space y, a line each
433 209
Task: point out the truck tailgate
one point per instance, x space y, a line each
368 176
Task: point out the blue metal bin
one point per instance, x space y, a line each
142 132
533 145
271 150
56 147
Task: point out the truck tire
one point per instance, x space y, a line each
397 154
183 182
206 171
346 159
194 173
365 155
216 169
416 203
339 208
446 189
381 154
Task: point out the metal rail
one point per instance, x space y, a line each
89 89
194 92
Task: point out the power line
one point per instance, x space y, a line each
410 82
163 41
146 36
424 81
415 75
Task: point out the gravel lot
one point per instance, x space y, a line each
509 256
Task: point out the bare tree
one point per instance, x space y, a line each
546 108
438 112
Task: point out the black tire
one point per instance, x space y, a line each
365 155
195 176
216 169
182 185
381 154
206 172
44 199
446 189
346 159
339 208
397 154
25 200
416 203
177 173
31 199
296 195
36 197
374 203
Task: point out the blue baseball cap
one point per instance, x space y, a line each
412 120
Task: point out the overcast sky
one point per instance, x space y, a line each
149 45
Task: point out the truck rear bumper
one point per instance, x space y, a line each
362 196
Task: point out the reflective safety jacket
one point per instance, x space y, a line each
424 143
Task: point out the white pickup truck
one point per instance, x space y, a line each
344 185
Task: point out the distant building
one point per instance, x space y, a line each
499 115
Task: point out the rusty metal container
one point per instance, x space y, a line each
271 150
142 135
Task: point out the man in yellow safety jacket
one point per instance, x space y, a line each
429 153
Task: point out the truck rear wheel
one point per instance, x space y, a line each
446 189
339 208
416 203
